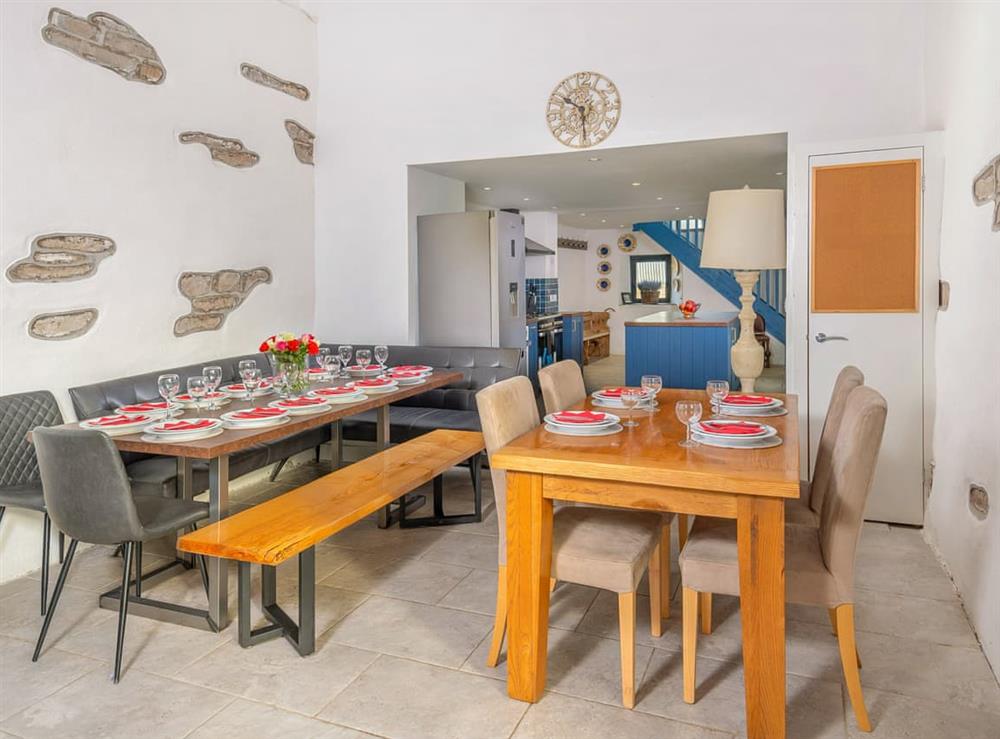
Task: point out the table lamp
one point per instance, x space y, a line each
745 232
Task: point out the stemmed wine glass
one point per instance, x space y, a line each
630 398
321 359
213 378
717 390
331 363
197 387
688 412
652 384
363 357
251 379
168 386
382 355
345 351
245 366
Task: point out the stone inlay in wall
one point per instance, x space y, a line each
986 189
227 151
302 140
66 325
107 41
214 295
61 257
255 74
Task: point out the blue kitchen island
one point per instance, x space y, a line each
685 352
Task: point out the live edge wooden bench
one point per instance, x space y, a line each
293 523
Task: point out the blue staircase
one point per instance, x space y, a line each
683 240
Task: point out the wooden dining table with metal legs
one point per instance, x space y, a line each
644 468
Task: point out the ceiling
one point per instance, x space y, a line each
675 179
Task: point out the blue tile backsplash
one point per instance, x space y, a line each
546 292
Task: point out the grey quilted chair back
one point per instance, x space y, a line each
87 492
19 414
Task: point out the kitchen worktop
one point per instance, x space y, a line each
674 317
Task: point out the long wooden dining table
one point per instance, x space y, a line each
217 450
644 468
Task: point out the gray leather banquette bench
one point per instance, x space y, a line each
452 407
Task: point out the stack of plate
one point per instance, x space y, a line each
422 369
370 370
187 430
339 395
157 409
611 397
374 385
119 424
735 434
238 389
219 399
302 406
743 404
582 423
407 377
317 374
255 418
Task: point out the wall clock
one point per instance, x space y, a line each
583 109
627 242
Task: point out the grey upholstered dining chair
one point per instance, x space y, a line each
20 483
819 562
88 495
599 547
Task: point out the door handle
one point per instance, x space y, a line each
822 338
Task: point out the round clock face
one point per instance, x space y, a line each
583 110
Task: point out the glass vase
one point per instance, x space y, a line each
294 370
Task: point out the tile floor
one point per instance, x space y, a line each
404 622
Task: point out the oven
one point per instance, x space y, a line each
550 343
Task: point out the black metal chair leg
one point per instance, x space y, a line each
60 581
2 509
138 569
46 545
62 546
277 469
317 453
127 555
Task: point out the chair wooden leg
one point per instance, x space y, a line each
500 619
833 620
552 584
705 610
849 661
689 616
655 592
626 636
682 530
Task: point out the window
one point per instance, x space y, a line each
655 267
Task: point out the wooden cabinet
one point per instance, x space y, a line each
596 336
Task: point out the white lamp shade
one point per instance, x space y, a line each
744 229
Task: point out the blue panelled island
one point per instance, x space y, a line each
685 352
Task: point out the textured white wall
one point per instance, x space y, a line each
85 150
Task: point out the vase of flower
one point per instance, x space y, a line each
289 355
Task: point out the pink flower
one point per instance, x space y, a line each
281 346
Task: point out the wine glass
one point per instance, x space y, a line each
251 380
652 384
382 355
197 388
321 358
213 378
345 351
331 362
245 366
168 386
717 390
363 357
631 397
688 412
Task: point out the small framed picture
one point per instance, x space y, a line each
628 298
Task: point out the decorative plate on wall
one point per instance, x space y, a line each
603 268
627 242
603 250
604 284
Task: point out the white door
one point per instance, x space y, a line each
866 306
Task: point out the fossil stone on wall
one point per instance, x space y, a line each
214 295
66 325
302 140
227 151
61 257
107 41
255 74
986 189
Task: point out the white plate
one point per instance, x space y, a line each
421 368
410 381
323 392
242 394
157 414
765 443
122 429
221 399
377 389
775 403
755 412
345 399
307 410
609 420
231 417
617 405
263 424
159 439
602 431
153 431
765 431
353 372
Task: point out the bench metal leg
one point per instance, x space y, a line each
336 445
301 635
439 518
277 470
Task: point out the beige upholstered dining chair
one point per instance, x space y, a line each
562 385
819 562
599 547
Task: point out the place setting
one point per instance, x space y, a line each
170 431
341 395
302 406
583 423
119 424
256 418
374 385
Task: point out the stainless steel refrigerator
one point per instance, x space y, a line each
470 271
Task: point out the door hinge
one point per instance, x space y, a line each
923 182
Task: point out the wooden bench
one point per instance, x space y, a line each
293 523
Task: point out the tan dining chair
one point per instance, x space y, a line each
819 562
599 547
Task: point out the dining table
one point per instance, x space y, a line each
644 467
217 449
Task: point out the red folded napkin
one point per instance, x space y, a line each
300 402
145 407
717 427
372 383
747 400
117 420
257 413
186 425
616 392
317 371
185 398
343 390
405 375
412 368
580 417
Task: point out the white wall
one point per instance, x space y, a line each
429 82
543 227
85 150
964 99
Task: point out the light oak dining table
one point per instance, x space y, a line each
644 468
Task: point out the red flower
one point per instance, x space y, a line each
293 345
312 347
263 346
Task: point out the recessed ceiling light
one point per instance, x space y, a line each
593 159
659 197
526 199
604 220
779 173
583 215
555 207
636 184
677 207
621 225
487 187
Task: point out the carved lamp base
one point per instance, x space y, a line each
747 353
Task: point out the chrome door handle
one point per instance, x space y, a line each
822 338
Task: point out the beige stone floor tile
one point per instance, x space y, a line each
244 719
440 636
900 562
563 717
20 585
394 542
898 717
95 568
401 698
418 580
601 619
464 550
95 707
24 683
273 672
20 617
